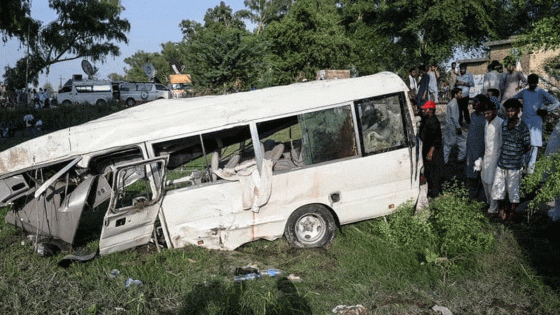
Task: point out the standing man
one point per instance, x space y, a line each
492 148
475 147
452 75
464 81
454 135
515 142
432 153
412 84
512 81
422 95
433 86
491 78
535 109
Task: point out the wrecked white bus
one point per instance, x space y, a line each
221 171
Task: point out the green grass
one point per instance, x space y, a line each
360 267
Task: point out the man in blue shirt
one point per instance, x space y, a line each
535 108
515 142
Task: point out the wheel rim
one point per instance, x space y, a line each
310 228
130 102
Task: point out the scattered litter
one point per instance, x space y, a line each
272 273
131 281
350 310
442 310
121 309
191 260
294 278
114 273
248 276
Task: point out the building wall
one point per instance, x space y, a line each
537 61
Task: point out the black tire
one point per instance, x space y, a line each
101 102
130 102
66 103
310 226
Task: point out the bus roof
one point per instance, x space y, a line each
171 118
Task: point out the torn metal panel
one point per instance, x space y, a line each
56 214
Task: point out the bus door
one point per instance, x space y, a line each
135 202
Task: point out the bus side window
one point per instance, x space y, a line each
309 138
328 135
381 124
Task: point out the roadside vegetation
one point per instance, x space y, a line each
448 255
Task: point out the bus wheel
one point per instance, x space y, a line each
101 102
310 226
130 102
66 103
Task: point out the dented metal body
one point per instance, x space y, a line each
221 171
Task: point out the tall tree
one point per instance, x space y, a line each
307 39
84 29
222 16
418 31
15 20
262 12
542 20
221 55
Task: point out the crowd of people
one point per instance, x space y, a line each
11 99
497 141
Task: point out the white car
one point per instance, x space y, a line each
133 93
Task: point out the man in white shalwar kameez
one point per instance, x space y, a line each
492 149
535 108
454 135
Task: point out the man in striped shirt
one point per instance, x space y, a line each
516 141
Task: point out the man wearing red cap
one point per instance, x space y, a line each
432 150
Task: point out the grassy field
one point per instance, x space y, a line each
518 275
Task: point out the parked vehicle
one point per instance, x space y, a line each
85 91
133 93
221 171
180 85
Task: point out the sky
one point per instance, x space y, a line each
152 23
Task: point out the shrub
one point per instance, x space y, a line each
455 226
460 225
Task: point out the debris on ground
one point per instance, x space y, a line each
131 281
441 310
350 310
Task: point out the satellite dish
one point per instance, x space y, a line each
149 70
88 68
176 66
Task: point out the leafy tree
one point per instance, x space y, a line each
190 29
307 39
83 29
262 12
545 34
15 20
222 17
409 32
224 62
221 55
161 62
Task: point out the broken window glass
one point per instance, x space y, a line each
381 124
328 135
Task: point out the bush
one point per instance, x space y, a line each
455 226
459 224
